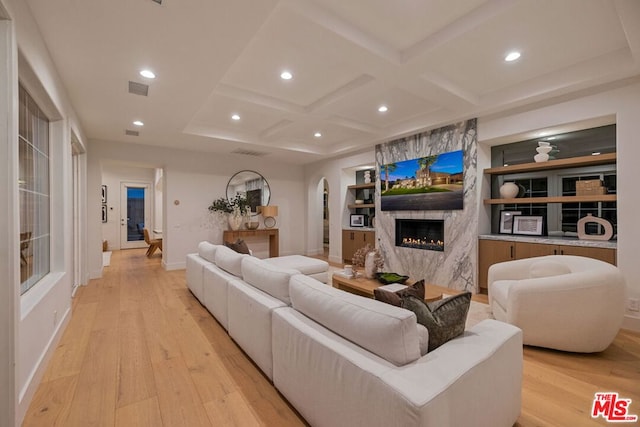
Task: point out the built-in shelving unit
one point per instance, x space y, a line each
574 162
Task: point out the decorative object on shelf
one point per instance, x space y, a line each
509 190
357 220
269 213
372 221
506 221
590 187
543 152
388 278
582 228
359 202
367 177
371 264
251 225
530 225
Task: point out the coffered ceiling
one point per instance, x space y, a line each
431 62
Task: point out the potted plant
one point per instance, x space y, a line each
234 209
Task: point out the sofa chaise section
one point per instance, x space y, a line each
332 380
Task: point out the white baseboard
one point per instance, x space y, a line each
631 323
174 265
30 388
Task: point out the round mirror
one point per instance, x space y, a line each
253 186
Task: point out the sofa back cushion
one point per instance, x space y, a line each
207 251
268 278
229 260
387 331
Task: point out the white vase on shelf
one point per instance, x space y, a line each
509 190
235 221
543 153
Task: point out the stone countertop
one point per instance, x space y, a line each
359 228
551 240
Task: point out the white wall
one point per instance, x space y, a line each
191 181
43 311
113 175
339 173
624 104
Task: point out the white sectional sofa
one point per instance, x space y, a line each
344 360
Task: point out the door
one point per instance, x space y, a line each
135 211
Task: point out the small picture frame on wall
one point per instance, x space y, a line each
104 194
357 220
104 213
506 221
530 225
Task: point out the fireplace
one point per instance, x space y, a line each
426 234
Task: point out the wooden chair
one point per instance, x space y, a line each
153 243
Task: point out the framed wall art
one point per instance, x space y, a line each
530 225
357 220
506 221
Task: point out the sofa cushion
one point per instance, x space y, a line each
207 251
239 246
547 268
304 264
444 319
268 278
229 260
393 293
387 331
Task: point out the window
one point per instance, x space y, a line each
33 188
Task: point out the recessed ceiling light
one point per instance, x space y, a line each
317 134
551 138
286 75
235 117
148 74
512 56
383 109
138 123
596 153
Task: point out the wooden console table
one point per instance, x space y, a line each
271 233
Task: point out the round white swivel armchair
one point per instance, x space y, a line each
563 302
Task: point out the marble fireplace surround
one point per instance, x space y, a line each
456 266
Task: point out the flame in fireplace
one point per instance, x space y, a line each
423 243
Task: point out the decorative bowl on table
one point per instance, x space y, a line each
388 278
252 225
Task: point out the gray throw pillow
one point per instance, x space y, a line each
395 298
444 319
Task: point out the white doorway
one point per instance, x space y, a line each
135 214
77 202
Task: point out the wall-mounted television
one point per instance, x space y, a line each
427 183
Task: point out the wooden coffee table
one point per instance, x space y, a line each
363 286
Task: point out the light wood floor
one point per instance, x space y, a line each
141 351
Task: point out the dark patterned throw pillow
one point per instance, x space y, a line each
239 246
444 319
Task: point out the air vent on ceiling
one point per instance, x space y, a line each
249 152
131 132
138 88
157 1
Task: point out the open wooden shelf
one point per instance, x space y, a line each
362 186
556 199
573 162
366 205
